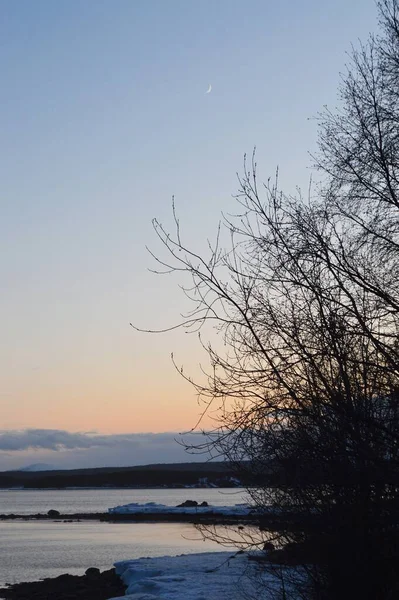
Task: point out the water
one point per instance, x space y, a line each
24 502
32 550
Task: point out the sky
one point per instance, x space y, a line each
104 117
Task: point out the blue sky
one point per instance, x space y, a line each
104 117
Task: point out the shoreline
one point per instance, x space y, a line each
93 585
139 517
200 575
118 487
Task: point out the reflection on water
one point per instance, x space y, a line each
34 550
25 502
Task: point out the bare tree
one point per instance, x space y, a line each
305 377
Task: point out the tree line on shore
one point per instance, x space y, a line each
168 475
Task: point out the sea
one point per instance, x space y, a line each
33 550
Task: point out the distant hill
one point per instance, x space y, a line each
165 475
38 467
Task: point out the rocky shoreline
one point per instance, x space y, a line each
93 585
209 517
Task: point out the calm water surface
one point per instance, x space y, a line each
32 550
77 501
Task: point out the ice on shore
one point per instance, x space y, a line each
153 507
205 576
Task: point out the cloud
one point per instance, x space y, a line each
65 449
58 439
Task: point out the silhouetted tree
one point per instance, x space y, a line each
305 300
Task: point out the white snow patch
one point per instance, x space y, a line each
205 576
153 507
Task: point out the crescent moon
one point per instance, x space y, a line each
208 91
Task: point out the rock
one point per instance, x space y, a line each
53 513
204 503
92 572
98 586
188 504
268 547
